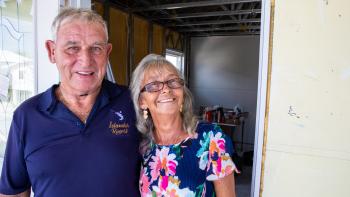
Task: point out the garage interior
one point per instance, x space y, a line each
218 41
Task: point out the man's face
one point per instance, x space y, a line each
81 53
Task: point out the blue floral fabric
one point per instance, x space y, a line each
188 168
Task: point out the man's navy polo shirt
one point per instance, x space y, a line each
51 150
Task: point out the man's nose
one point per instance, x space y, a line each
85 56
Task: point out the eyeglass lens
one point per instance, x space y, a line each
158 85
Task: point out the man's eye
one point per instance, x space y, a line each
73 50
96 50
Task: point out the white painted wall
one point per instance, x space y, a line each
45 12
224 71
308 135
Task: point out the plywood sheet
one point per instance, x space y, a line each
140 41
98 7
173 40
158 40
307 142
118 21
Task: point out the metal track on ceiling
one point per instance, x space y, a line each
200 18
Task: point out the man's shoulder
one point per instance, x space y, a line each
34 102
30 103
114 87
115 91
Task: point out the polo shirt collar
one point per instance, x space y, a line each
48 100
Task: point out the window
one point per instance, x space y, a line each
16 61
176 58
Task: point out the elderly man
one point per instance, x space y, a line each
79 137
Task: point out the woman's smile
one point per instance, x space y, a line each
166 100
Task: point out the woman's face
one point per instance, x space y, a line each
166 101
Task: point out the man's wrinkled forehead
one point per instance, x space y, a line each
85 22
70 31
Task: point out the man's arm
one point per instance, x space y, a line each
14 176
23 194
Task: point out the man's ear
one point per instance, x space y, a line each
109 49
50 47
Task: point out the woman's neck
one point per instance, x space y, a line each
169 130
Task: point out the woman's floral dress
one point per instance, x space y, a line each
188 168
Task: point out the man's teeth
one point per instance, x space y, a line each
85 73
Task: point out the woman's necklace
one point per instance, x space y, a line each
81 114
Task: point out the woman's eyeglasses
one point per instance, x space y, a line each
156 86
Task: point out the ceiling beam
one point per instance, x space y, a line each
215 22
206 14
241 27
161 11
172 6
225 34
232 8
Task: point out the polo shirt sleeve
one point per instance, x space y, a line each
14 176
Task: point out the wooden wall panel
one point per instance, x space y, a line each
98 7
143 40
118 22
158 40
140 40
173 40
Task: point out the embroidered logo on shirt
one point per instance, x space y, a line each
119 115
118 127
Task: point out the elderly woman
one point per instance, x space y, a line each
180 156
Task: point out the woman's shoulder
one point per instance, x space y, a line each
207 131
206 127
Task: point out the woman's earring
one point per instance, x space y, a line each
145 114
181 106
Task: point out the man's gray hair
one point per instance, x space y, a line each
81 14
146 127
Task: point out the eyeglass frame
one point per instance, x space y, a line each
181 82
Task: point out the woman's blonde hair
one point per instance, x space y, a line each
146 127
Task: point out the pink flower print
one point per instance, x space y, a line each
163 164
218 166
171 165
219 159
216 150
144 183
217 143
164 182
172 193
221 144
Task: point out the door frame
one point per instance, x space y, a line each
262 99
